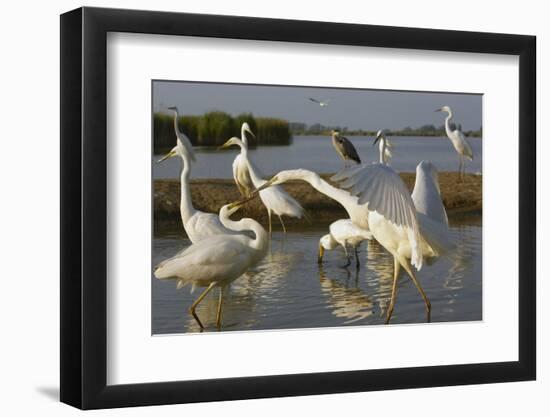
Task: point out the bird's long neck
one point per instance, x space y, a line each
261 238
447 123
255 176
176 125
243 137
312 178
382 149
186 205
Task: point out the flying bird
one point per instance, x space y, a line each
321 103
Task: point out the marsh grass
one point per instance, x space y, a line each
215 127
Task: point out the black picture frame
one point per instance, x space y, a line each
84 207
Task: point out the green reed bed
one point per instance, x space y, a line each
214 128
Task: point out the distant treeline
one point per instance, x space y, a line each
214 128
426 130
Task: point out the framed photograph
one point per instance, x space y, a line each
256 208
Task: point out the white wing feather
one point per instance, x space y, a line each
384 191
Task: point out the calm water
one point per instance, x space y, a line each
316 153
289 290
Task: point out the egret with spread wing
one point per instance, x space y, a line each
344 148
275 199
457 138
218 260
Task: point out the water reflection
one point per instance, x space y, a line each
289 289
347 302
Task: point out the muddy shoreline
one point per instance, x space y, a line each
210 194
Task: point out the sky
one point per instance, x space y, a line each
352 108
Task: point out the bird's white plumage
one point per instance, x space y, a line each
242 176
197 224
426 193
392 215
345 232
274 198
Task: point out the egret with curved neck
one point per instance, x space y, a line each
275 199
384 147
218 260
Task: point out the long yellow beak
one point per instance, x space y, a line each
170 154
241 201
321 253
250 132
224 146
263 187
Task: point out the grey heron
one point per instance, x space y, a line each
344 147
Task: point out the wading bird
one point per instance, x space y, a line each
344 148
197 224
321 103
343 233
384 147
275 199
218 260
459 142
240 167
408 235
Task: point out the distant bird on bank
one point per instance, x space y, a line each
384 147
321 103
344 148
275 199
343 233
458 140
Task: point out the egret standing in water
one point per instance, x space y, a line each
241 175
218 260
344 148
197 224
384 147
275 199
343 232
459 142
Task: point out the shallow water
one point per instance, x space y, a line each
316 153
289 290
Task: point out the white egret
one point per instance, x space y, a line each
458 140
321 103
426 194
181 136
393 219
343 233
217 260
384 147
275 199
344 148
197 224
240 167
